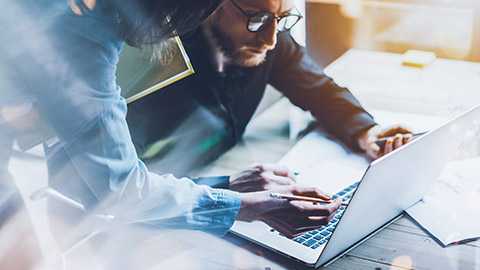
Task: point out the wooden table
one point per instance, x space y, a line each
402 245
420 98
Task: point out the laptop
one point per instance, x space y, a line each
378 193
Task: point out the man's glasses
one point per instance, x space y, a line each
259 21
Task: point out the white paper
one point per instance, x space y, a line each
451 211
324 163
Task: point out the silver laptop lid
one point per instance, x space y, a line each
396 181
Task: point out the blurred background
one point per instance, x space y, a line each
450 28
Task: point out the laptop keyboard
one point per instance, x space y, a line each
320 236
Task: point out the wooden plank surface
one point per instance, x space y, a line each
402 245
410 248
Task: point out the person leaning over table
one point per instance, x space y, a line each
62 58
242 47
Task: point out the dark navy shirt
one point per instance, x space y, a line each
206 113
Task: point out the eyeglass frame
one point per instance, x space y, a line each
250 16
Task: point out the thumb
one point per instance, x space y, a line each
373 150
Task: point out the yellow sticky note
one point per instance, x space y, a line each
420 59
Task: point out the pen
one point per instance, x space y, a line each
381 142
301 198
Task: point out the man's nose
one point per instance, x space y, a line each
269 35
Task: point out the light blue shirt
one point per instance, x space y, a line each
66 63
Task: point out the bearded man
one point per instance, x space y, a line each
242 47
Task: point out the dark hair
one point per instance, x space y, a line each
151 21
147 22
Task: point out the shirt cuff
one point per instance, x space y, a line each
220 215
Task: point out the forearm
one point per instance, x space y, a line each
303 81
95 161
124 188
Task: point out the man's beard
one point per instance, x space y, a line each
233 53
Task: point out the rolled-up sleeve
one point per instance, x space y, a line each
69 64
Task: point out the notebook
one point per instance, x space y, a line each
137 77
377 196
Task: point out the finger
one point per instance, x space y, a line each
397 141
271 178
374 147
407 138
307 209
310 209
252 167
373 150
334 211
311 192
334 206
292 176
372 155
316 221
292 224
388 146
264 167
284 171
310 223
278 170
332 216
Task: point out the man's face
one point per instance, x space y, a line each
229 28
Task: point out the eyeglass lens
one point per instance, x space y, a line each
261 21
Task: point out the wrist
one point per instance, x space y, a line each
247 210
363 136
